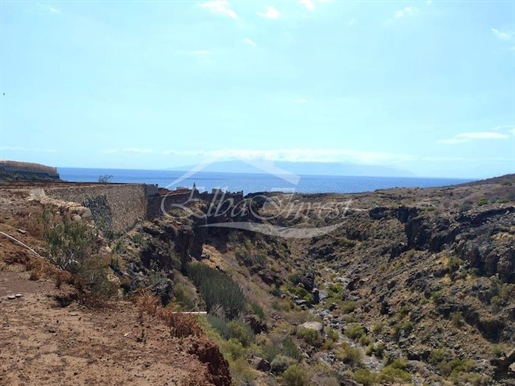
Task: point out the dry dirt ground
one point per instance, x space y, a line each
43 342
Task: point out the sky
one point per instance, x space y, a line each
422 86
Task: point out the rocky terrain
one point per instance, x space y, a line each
409 286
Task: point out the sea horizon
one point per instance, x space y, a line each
253 182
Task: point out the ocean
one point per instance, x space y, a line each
250 183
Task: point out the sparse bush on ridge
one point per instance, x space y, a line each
73 246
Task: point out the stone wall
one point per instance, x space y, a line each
119 207
115 206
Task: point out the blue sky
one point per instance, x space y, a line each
424 86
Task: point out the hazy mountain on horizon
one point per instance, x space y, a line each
305 168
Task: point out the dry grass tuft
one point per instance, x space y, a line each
181 325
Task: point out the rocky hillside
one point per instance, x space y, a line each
404 286
415 285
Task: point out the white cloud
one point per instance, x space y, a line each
508 128
137 150
502 35
250 42
271 13
308 4
470 136
482 135
406 12
309 155
220 7
293 155
48 8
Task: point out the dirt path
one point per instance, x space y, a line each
41 344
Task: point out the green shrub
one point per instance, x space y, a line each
379 349
438 355
377 327
455 367
466 206
482 201
295 376
242 373
448 365
365 377
402 328
348 354
310 336
73 246
69 243
276 291
403 312
217 289
219 324
348 306
285 348
232 330
390 374
332 334
241 332
290 349
302 293
366 340
457 319
436 295
295 278
182 296
399 363
234 349
497 351
335 290
354 331
454 264
281 363
257 310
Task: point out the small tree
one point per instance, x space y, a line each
104 179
